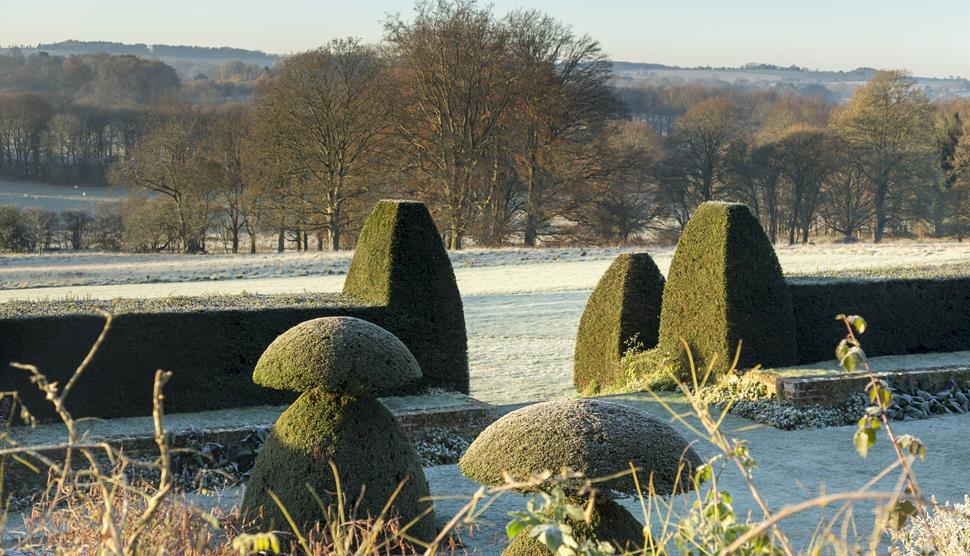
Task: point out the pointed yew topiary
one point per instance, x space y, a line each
593 437
725 286
339 364
624 308
400 263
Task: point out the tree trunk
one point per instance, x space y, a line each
281 241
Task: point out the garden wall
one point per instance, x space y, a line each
213 343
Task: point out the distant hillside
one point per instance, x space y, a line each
188 61
157 50
836 84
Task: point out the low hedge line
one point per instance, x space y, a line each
905 315
400 279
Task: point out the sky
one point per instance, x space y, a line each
930 38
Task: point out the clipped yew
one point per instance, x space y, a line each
340 365
622 310
594 437
725 286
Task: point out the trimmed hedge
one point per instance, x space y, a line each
400 263
212 343
624 307
904 316
366 444
724 286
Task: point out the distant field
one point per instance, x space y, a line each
56 197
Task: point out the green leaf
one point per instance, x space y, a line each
863 439
900 513
858 323
514 528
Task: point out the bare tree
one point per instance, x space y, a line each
171 160
452 84
701 141
887 124
563 101
327 112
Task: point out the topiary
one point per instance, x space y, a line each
339 364
623 309
592 437
400 263
725 286
609 522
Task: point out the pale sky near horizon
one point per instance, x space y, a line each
930 38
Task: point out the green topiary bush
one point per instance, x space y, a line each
400 279
339 420
400 263
609 522
725 286
592 437
623 310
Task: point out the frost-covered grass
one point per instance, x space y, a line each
98 269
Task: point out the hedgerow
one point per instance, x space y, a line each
400 279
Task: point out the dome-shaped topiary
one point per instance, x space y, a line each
337 354
624 307
594 437
724 286
339 363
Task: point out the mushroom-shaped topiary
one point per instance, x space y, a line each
593 437
339 364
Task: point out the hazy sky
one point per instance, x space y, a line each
927 37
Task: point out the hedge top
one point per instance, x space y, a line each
725 286
337 354
594 437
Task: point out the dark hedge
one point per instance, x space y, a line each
725 285
624 306
400 263
212 343
904 316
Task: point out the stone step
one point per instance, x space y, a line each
417 415
825 383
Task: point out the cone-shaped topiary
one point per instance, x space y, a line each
624 307
340 364
400 263
593 437
724 286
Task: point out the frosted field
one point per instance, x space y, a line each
55 197
522 307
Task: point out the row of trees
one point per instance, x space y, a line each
511 130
